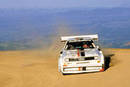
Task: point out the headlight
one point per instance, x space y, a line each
67 60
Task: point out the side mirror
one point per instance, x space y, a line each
61 52
98 48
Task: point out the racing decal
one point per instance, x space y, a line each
78 53
79 68
82 53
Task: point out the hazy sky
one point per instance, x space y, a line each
62 3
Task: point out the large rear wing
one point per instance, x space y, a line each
80 37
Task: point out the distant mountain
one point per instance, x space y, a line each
18 26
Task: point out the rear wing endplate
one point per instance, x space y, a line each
80 37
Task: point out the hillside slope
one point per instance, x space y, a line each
39 69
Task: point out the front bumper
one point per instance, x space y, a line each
82 69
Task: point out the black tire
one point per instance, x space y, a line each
64 74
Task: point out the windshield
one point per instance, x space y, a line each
80 45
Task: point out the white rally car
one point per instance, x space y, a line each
80 54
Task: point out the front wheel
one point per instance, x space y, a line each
65 74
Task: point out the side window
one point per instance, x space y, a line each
69 46
66 45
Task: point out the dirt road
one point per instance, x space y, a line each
39 69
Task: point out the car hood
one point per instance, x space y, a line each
77 53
